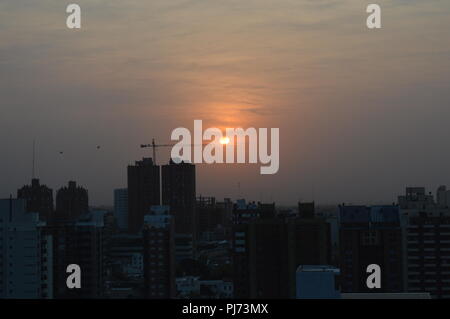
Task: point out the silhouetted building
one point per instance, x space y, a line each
428 255
178 192
416 198
80 242
370 235
311 240
39 198
207 214
71 202
159 254
143 191
126 266
306 210
244 212
267 252
25 253
443 197
226 212
214 219
426 225
121 208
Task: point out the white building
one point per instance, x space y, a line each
25 253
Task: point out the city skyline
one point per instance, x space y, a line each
433 191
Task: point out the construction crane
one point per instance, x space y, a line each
155 146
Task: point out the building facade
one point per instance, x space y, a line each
370 235
159 254
25 253
267 252
143 191
121 208
71 202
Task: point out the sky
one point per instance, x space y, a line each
362 113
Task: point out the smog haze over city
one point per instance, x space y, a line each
362 113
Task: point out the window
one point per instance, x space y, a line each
370 238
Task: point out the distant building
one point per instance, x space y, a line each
267 252
226 212
306 210
143 191
370 235
126 254
26 253
317 282
443 197
428 255
71 202
184 247
208 215
416 199
125 266
39 198
121 208
244 212
214 218
426 225
178 192
80 242
159 254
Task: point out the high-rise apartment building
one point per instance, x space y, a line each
143 191
121 208
426 225
71 202
370 235
159 254
39 198
80 242
25 253
267 252
178 192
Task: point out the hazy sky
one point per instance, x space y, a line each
362 113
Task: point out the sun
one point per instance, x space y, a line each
224 140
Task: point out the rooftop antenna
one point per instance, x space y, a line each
10 207
34 160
